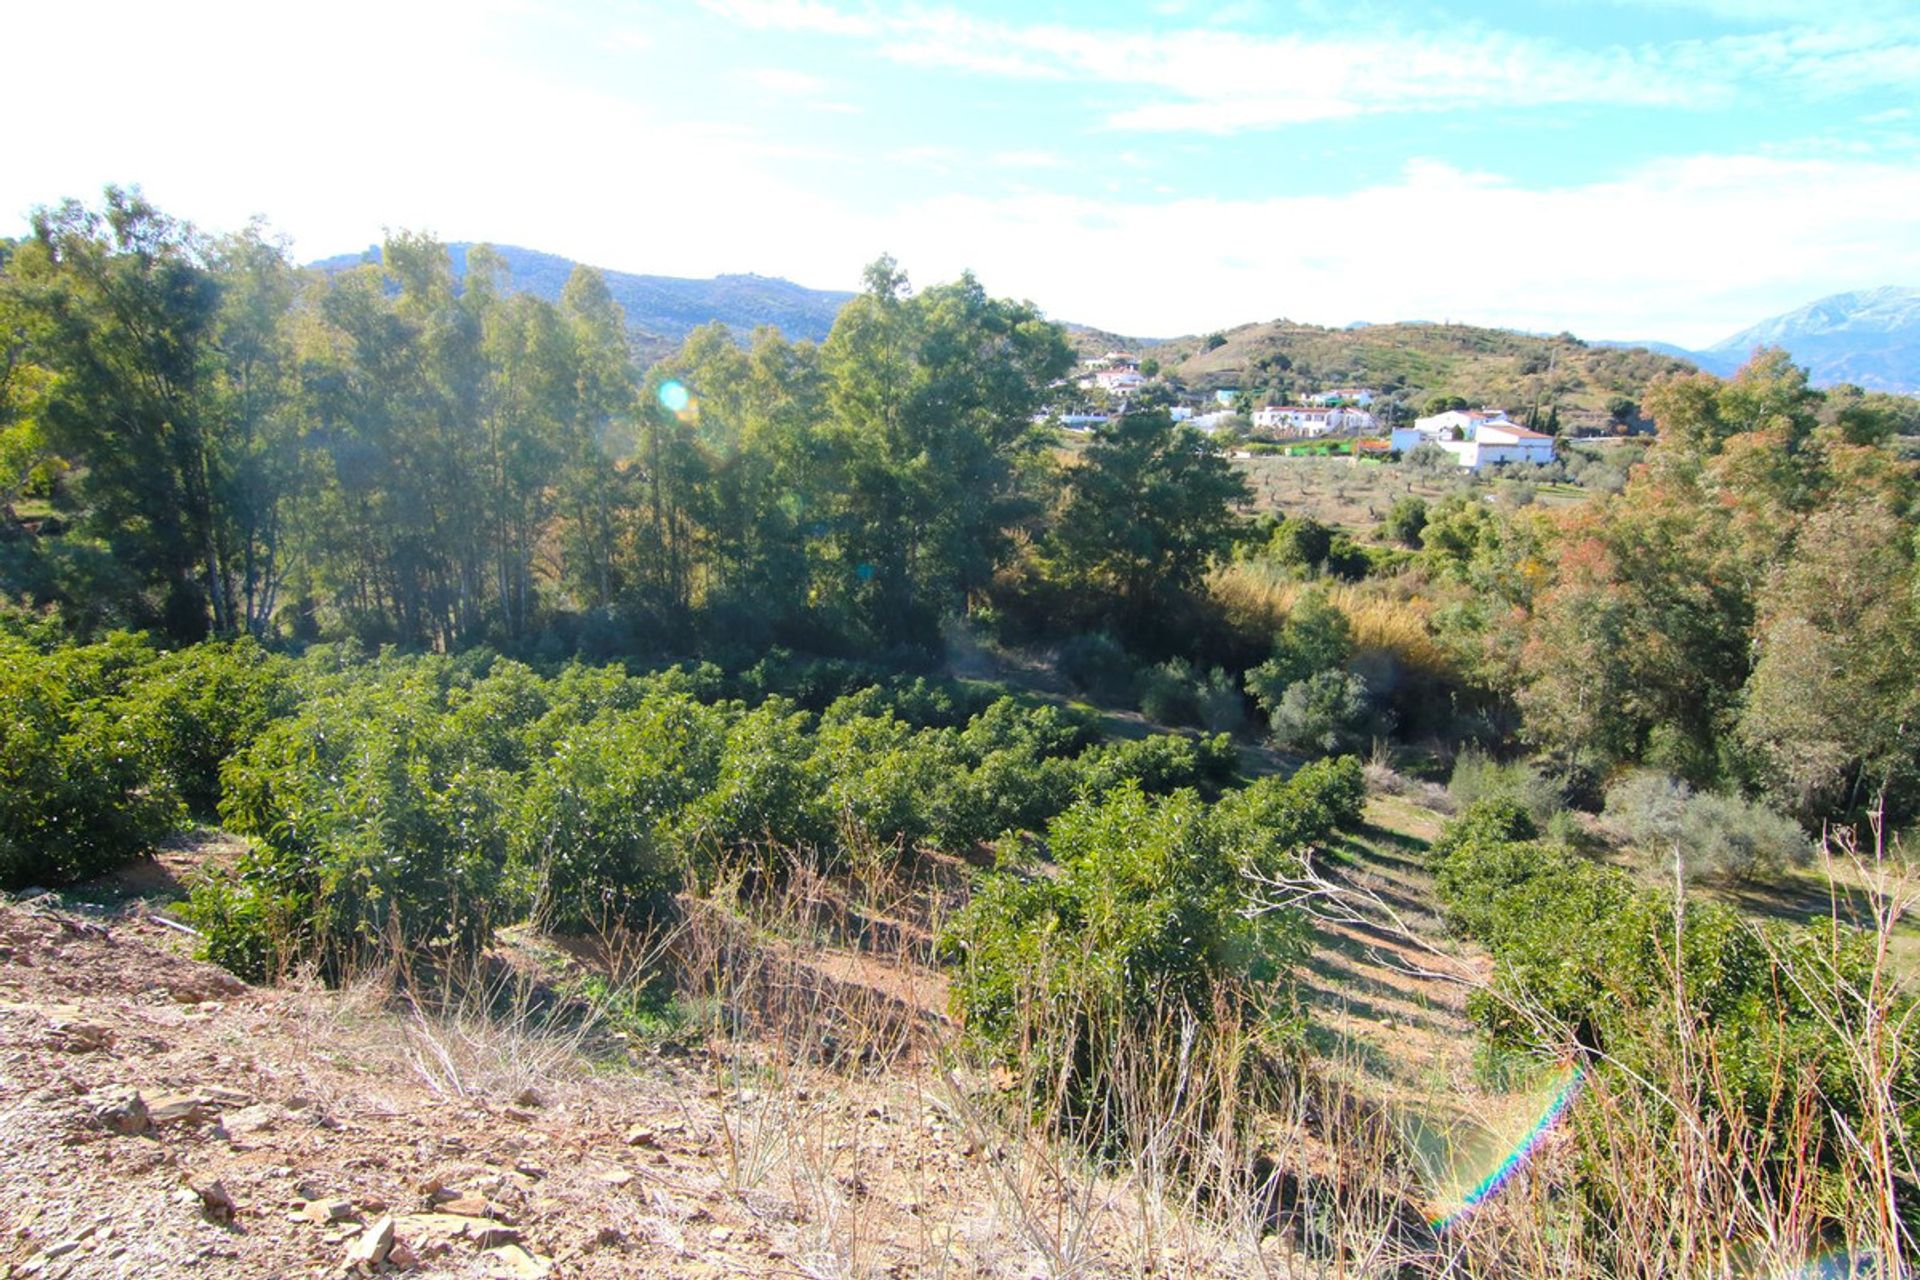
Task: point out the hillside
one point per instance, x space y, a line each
1416 361
661 308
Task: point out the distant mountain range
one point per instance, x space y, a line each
660 310
1870 338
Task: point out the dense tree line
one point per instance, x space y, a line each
1742 614
244 447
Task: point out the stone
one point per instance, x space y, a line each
485 1232
82 1037
614 1177
641 1136
516 1262
261 1118
371 1247
178 1108
119 1110
488 1234
468 1206
217 1202
332 1209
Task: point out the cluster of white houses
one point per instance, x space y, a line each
1475 437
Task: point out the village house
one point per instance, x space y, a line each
1360 396
1477 438
1310 420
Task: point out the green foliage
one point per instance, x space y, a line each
1477 777
80 792
1160 764
1583 954
1327 712
1715 836
1098 665
1144 514
1137 934
193 708
1405 521
1316 637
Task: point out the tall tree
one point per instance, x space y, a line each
129 309
1144 513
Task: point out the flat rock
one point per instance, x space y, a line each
371 1247
467 1206
484 1232
516 1262
120 1110
331 1209
178 1108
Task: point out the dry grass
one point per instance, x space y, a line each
838 1100
1258 597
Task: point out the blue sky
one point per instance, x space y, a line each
1671 169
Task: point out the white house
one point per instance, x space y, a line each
1119 381
1476 438
1310 420
1499 444
1361 396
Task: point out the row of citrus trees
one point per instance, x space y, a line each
1769 1068
407 805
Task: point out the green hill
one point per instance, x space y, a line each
1413 362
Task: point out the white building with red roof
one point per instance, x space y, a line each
1477 438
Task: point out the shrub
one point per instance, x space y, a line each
1478 777
1097 665
1316 637
1168 695
1328 712
1715 836
1140 934
1158 764
80 791
195 707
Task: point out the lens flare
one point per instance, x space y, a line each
674 396
1468 1164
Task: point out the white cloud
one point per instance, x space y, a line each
1214 80
1685 250
228 110
783 80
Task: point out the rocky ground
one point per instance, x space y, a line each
160 1118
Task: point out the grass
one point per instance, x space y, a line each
1357 496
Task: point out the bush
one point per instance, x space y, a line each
1716 837
1168 694
1159 764
1139 935
194 708
1478 777
1329 712
80 790
1098 666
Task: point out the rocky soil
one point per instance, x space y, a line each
160 1118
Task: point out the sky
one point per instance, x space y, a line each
1626 169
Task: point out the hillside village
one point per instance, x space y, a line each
1108 385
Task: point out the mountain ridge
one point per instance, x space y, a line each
661 310
1869 337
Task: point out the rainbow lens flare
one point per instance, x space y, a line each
1467 1164
674 396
